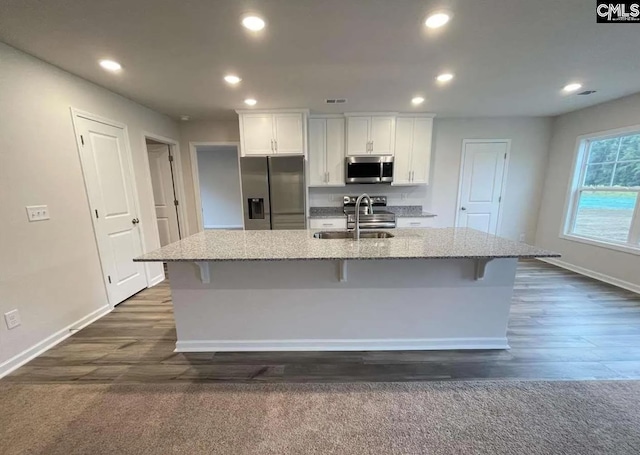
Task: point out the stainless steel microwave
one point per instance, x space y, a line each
369 169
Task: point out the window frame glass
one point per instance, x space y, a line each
577 187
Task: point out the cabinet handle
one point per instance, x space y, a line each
272 145
412 174
371 146
327 224
415 223
328 178
275 142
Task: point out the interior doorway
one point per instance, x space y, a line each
216 179
483 173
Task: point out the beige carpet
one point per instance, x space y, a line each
400 418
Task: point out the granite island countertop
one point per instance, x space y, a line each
431 243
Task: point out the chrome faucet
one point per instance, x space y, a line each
358 201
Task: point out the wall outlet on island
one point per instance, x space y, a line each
522 237
12 319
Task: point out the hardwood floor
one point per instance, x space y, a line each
562 326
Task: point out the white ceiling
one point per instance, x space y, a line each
510 57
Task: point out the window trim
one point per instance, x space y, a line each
573 195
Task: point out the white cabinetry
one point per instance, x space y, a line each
264 133
328 223
370 134
326 151
415 222
412 150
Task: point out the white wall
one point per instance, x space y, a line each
218 172
50 270
566 129
201 131
529 144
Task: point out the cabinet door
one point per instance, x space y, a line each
382 135
421 154
417 222
317 151
335 151
328 223
358 135
402 158
289 134
257 134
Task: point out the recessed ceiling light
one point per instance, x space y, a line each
572 87
110 65
253 22
437 20
185 118
232 79
444 77
250 101
417 100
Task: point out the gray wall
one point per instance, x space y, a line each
50 270
218 172
566 128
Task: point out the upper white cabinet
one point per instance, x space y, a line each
370 134
326 151
412 150
264 133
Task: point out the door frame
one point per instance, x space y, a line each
504 178
195 176
78 113
174 149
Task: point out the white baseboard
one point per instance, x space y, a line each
427 344
157 279
595 275
17 361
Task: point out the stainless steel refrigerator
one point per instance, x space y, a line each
273 192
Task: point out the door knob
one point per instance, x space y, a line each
135 221
463 208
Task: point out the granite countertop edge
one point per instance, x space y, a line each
354 258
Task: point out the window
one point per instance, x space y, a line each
605 196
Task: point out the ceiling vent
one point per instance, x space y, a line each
335 100
587 92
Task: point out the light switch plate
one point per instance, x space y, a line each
12 318
37 212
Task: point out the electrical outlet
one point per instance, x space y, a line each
37 212
522 237
12 318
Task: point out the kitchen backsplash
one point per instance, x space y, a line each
396 195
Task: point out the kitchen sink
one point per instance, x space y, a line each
333 235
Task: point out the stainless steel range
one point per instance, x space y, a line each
380 218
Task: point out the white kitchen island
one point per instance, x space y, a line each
286 290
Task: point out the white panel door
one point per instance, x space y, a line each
106 164
403 150
163 193
335 151
382 135
358 135
421 150
317 151
481 185
289 134
257 132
